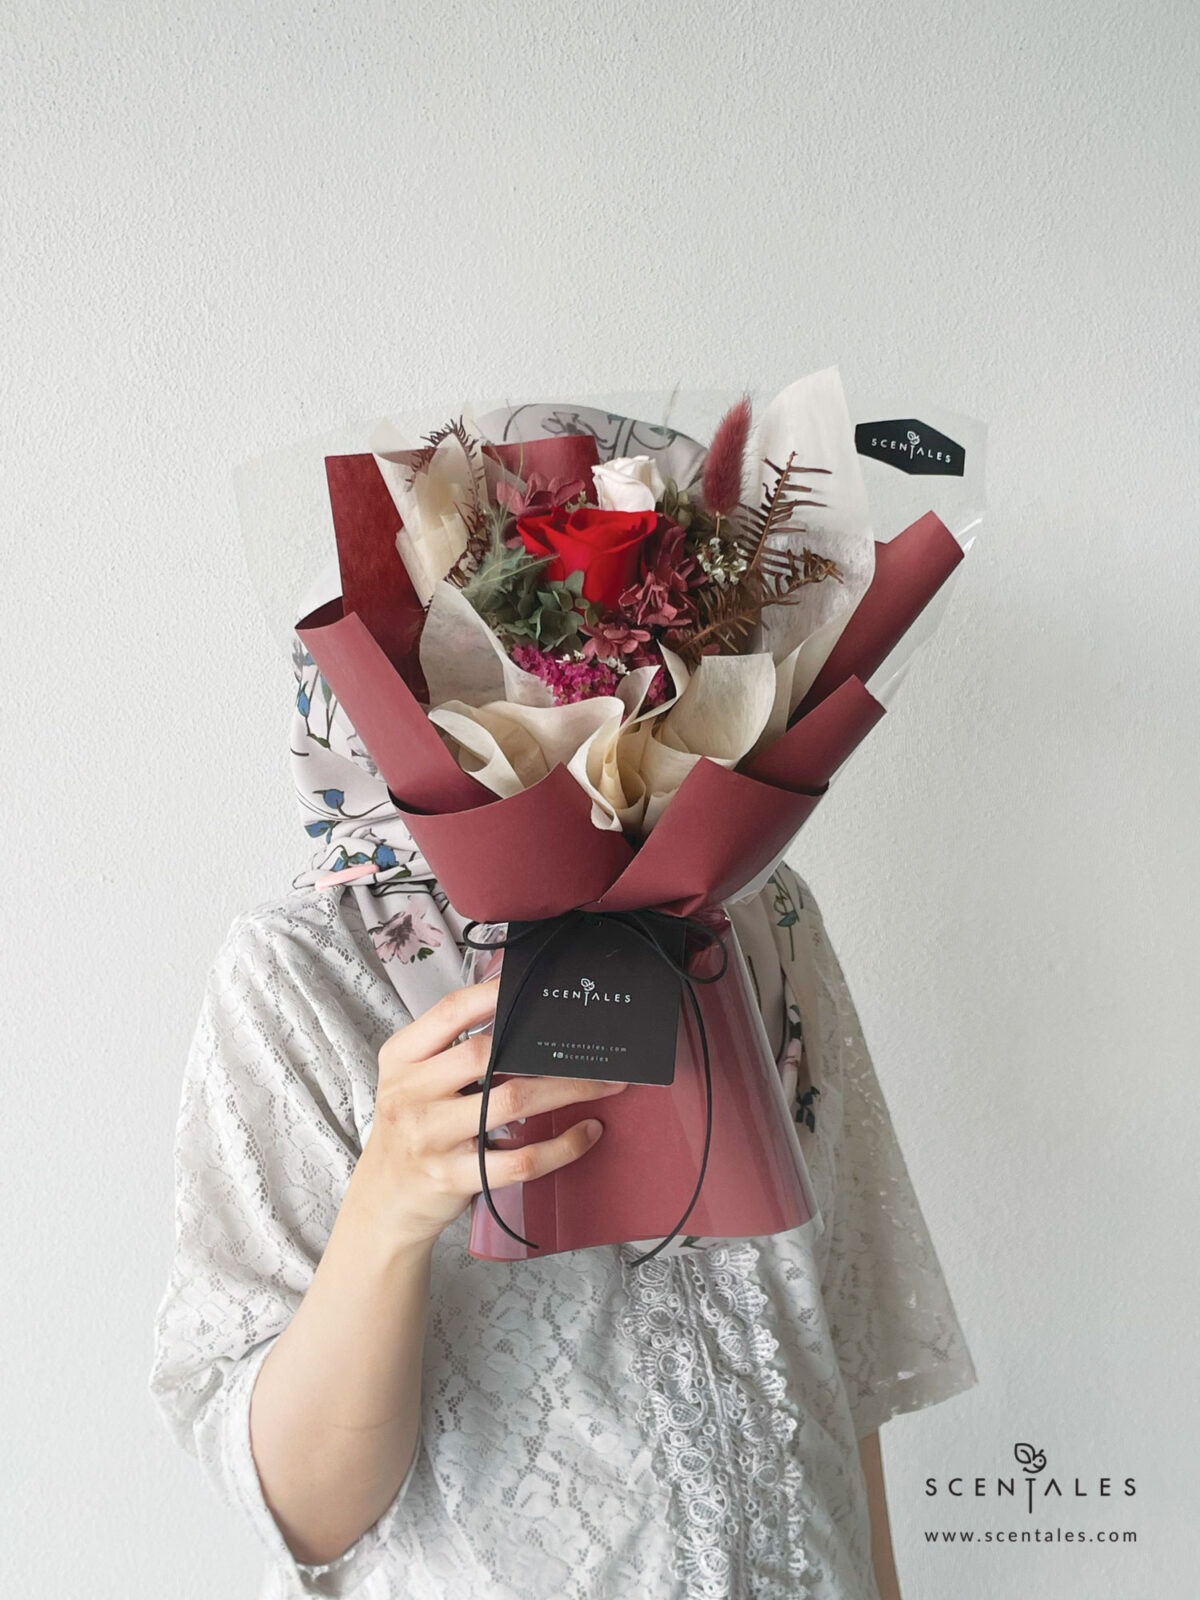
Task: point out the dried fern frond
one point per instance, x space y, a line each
727 624
485 538
456 428
772 517
773 572
785 573
477 514
729 613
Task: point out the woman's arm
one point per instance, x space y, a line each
336 1408
335 1411
882 1555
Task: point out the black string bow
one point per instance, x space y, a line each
642 925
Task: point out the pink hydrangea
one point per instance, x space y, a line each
614 637
539 495
660 683
633 648
662 598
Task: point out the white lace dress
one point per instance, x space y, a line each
683 1430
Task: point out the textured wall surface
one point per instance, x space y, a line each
228 226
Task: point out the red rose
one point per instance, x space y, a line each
605 546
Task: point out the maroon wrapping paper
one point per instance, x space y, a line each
375 582
537 853
909 570
569 455
642 1173
556 858
403 743
718 824
817 742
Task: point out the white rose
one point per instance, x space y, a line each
628 483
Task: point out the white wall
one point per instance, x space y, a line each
228 226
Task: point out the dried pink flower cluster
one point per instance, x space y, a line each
613 637
660 683
663 597
569 681
540 495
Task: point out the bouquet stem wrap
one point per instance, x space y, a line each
715 1151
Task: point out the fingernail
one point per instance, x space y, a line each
613 1083
592 1128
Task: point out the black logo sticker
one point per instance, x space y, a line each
910 445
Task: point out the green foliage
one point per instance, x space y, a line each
511 594
501 573
549 614
677 504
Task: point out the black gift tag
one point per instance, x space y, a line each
598 1002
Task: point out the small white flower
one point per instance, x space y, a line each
628 483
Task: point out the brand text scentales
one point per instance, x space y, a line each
981 1487
587 996
916 451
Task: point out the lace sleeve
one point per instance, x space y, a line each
898 1340
264 1146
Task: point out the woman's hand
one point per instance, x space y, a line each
420 1162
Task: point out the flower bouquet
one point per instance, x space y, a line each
607 673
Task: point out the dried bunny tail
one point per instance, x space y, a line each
723 465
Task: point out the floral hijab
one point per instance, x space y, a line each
360 842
